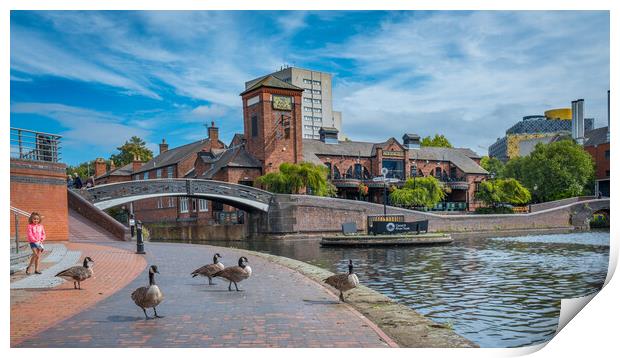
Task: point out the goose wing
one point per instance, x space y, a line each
234 273
337 281
207 270
75 272
139 296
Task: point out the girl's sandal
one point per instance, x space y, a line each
38 272
27 272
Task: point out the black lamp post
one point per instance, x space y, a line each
139 240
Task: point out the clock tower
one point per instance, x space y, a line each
272 122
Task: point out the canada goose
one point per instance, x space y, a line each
343 282
148 296
235 274
77 274
210 269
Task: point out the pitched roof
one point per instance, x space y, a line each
125 170
272 82
174 155
233 157
596 136
470 153
313 147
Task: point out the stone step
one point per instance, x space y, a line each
62 257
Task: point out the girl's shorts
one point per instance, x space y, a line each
36 245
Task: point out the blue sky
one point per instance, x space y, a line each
99 77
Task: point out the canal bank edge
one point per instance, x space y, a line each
402 324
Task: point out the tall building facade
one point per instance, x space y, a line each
316 106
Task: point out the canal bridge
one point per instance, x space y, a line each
240 196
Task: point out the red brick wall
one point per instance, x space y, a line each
598 155
41 187
266 146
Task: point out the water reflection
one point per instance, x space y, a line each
501 292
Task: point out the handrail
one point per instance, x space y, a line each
20 211
32 145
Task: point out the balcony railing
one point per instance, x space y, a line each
31 145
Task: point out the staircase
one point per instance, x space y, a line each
83 230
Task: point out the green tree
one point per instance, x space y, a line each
423 192
135 147
292 178
553 171
494 166
437 141
84 170
503 191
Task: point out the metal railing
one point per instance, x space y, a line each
17 212
31 145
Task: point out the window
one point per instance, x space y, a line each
308 127
193 204
606 155
160 203
438 172
316 83
183 205
307 81
316 101
203 205
317 110
308 118
146 175
308 136
136 177
159 173
308 109
395 168
254 126
329 169
217 206
170 202
317 127
315 91
170 172
307 100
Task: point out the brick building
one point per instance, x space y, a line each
597 144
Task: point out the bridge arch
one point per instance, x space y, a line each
241 196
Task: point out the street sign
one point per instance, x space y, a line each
384 171
378 179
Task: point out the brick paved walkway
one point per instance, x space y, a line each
33 310
278 308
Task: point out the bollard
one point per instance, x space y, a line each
132 226
139 241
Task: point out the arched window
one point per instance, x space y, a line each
329 168
336 172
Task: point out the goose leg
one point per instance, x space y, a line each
341 297
210 282
156 315
145 315
79 285
236 288
229 283
74 285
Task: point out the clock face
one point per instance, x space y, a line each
283 103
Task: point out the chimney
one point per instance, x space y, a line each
328 135
112 165
577 122
100 167
137 163
411 141
213 136
163 146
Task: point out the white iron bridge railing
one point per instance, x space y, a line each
31 145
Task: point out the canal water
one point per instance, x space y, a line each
498 292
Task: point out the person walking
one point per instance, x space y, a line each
36 236
77 182
90 182
69 181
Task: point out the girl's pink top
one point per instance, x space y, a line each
36 233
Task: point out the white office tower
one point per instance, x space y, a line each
577 123
316 102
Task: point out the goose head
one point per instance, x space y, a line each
153 269
88 262
243 261
350 266
216 257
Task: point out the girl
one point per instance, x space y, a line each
36 236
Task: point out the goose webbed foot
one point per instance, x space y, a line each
145 315
74 285
229 284
342 297
156 315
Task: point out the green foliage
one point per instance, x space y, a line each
599 221
423 192
553 171
437 141
494 166
135 147
503 191
84 170
291 178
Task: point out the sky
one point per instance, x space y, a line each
99 77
